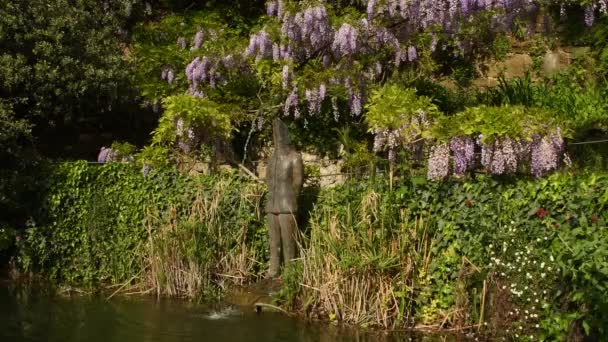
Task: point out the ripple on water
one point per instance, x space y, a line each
224 313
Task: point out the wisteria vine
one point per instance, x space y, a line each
293 38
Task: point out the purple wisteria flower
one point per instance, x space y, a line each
181 42
145 170
198 40
170 76
335 109
102 157
590 15
291 103
271 8
439 162
259 46
345 41
547 153
463 148
500 156
285 77
412 54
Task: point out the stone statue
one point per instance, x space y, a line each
284 178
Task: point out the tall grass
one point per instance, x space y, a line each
364 263
206 243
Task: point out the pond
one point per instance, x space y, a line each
28 314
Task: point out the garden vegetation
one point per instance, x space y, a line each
467 205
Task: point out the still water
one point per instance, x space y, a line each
28 314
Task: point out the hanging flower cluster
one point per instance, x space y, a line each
197 42
315 98
387 140
547 153
291 104
510 139
591 9
463 148
444 13
205 71
503 156
391 26
439 162
167 75
260 46
306 32
186 135
346 41
181 42
409 133
275 8
106 155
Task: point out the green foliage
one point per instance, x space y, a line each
96 223
123 149
600 45
19 166
155 48
495 122
290 290
7 237
203 114
62 66
576 100
424 249
155 156
427 248
394 108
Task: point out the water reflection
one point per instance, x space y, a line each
30 314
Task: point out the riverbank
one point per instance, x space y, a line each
500 257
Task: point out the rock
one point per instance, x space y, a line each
488 82
550 63
331 173
309 157
555 61
515 65
201 168
225 168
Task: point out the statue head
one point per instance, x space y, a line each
280 134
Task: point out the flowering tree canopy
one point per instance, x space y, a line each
306 59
